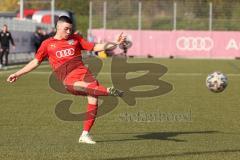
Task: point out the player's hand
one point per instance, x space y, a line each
122 38
12 78
14 47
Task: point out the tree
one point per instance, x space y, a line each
8 5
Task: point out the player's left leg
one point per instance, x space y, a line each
89 121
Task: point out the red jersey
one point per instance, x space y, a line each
63 55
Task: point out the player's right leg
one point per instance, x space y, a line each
82 80
96 89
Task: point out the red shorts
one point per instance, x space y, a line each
79 74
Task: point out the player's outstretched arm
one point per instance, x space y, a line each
101 46
27 68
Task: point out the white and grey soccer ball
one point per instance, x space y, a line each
216 82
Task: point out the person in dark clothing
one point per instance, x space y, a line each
38 37
5 39
51 33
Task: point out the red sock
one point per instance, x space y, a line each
90 117
96 89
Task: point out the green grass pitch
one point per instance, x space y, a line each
205 126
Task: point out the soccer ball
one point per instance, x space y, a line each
216 82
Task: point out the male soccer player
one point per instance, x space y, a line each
64 55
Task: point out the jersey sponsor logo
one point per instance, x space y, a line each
65 53
71 42
195 43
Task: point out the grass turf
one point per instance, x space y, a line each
191 122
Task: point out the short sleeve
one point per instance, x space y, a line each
41 52
86 45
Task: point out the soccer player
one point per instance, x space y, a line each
64 55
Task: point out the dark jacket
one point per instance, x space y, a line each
5 38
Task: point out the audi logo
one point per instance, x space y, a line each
65 53
195 43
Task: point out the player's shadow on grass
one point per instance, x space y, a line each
169 136
177 154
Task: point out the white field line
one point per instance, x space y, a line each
139 73
43 65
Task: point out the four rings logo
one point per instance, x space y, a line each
65 53
194 43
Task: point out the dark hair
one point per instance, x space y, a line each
65 19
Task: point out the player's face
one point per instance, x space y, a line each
64 29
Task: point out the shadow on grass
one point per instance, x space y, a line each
169 136
177 154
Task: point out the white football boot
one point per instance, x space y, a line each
115 92
86 139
